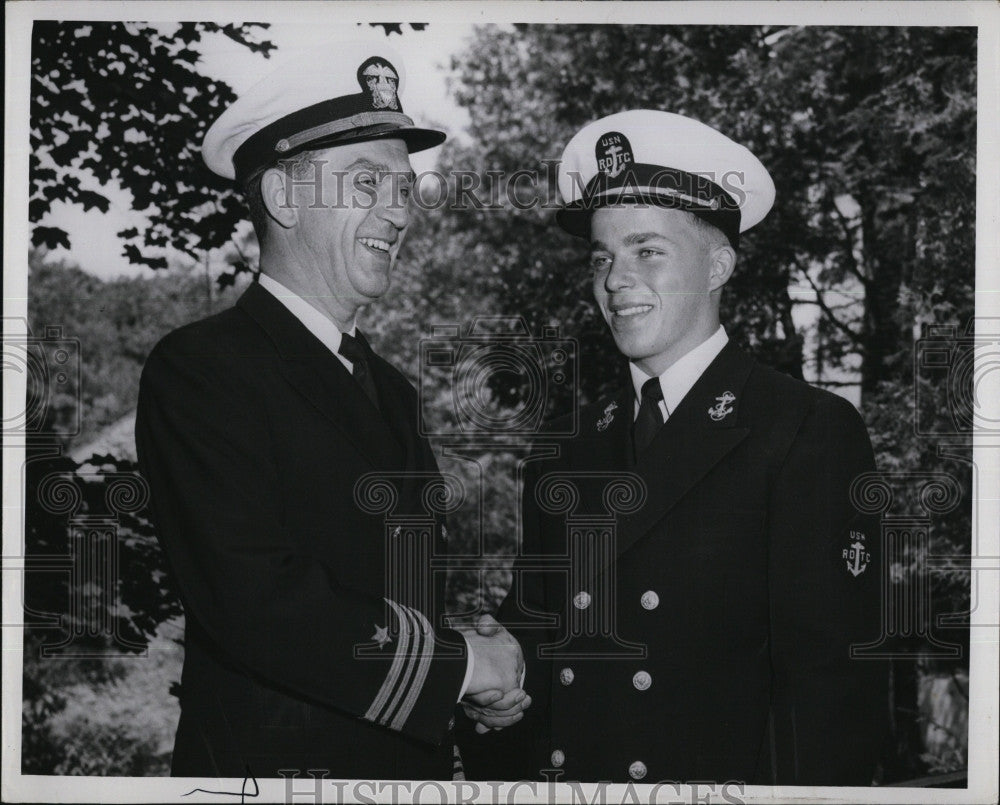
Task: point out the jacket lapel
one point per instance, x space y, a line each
608 448
322 379
401 420
698 434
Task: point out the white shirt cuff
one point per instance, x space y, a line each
470 665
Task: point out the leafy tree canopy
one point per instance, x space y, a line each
126 103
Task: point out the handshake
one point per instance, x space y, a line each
494 698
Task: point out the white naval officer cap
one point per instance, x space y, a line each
347 92
654 157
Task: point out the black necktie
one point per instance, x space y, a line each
649 420
354 350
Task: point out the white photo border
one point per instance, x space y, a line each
984 655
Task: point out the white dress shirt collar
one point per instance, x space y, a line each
681 376
315 321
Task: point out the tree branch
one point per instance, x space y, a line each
852 262
854 337
844 306
838 383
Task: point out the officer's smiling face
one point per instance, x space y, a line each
657 279
353 237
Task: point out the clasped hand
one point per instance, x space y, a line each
494 698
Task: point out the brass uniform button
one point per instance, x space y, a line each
637 770
642 680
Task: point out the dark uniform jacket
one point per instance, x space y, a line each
253 437
710 638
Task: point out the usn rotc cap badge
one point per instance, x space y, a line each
614 153
346 93
645 156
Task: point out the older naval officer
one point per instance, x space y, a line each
254 427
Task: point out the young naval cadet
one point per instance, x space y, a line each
257 430
706 634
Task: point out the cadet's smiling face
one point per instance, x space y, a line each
353 236
656 280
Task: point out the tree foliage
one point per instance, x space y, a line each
126 104
115 323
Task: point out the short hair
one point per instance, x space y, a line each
711 235
295 167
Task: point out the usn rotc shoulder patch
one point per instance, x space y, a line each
856 555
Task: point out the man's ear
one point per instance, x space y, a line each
723 263
274 193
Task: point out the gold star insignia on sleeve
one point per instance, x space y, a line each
381 636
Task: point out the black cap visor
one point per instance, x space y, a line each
658 186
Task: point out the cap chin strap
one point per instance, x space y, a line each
645 192
575 218
358 121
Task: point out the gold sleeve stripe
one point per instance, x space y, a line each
392 677
411 664
422 667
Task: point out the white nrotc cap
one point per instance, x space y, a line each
653 157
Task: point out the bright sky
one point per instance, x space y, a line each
426 55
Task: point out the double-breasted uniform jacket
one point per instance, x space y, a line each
253 437
710 638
